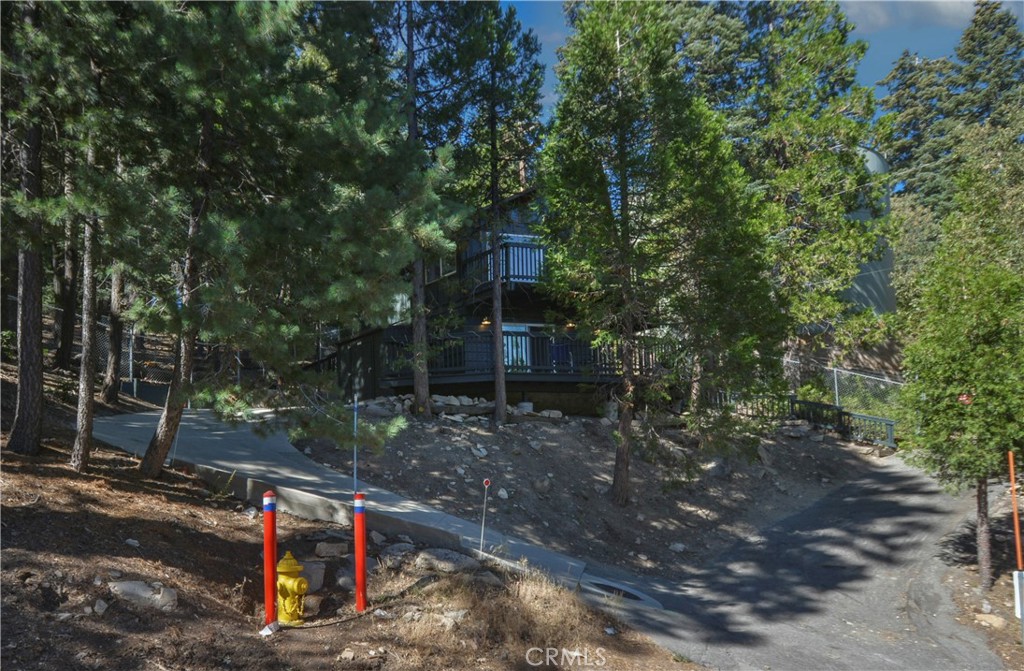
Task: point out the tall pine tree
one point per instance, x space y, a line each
648 210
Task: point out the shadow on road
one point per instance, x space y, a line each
804 563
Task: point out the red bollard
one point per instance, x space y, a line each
270 555
359 524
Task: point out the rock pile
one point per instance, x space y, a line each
458 409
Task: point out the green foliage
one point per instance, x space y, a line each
651 225
931 108
964 403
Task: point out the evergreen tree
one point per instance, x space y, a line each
503 140
25 75
809 120
964 361
435 51
930 107
648 208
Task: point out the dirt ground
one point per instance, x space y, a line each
556 475
65 537
63 540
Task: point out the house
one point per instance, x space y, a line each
546 361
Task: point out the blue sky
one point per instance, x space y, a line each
929 27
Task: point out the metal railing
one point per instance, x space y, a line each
472 353
518 262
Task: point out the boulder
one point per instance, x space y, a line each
446 561
147 596
378 538
329 550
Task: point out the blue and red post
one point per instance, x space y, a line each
270 555
359 527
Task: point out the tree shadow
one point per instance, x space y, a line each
799 566
960 547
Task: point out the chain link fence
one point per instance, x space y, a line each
874 394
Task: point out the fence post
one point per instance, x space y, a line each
835 385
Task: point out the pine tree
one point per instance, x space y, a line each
964 361
647 207
930 106
502 141
809 120
436 47
23 52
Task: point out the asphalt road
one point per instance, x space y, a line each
852 582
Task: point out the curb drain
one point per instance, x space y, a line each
603 587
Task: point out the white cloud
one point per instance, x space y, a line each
871 15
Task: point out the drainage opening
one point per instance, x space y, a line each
616 591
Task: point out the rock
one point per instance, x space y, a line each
131 541
478 451
347 655
488 579
466 400
798 431
343 581
451 618
719 468
541 485
503 494
100 607
677 547
308 451
383 614
378 538
452 400
313 572
140 594
374 410
817 438
605 421
986 607
989 620
766 456
398 550
446 561
311 605
325 549
535 444
460 470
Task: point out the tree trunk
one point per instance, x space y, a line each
66 281
28 414
112 377
500 396
87 368
170 419
166 430
984 538
695 384
620 481
420 372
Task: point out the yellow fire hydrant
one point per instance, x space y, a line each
290 591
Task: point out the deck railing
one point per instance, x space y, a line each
519 262
472 353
